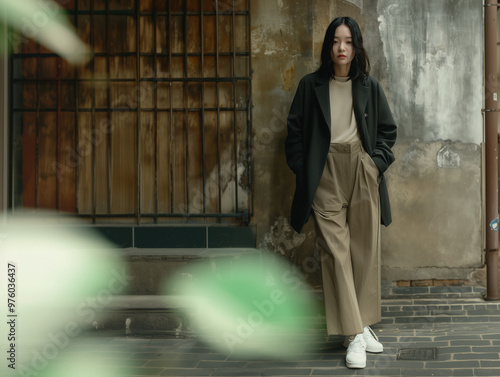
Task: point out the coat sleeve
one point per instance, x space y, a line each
386 133
294 140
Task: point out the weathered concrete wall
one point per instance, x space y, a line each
433 52
428 57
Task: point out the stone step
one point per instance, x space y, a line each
164 315
151 268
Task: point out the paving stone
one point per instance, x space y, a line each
490 336
287 371
487 372
459 349
426 372
456 337
187 372
334 372
475 356
201 356
172 363
452 364
139 371
490 364
153 355
463 372
237 372
379 372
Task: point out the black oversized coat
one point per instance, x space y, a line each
308 139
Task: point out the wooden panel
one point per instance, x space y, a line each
47 130
173 131
194 96
83 30
68 96
163 95
211 162
225 33
176 34
194 66
48 68
226 95
47 95
122 67
193 34
195 163
122 95
85 189
193 5
148 161
210 97
29 159
163 35
241 33
147 43
124 163
67 165
225 66
209 30
100 141
164 174
147 5
178 146
147 93
227 159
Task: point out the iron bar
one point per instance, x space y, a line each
202 66
58 138
155 100
109 154
77 106
186 102
217 74
235 123
126 109
249 141
169 46
37 131
138 115
94 168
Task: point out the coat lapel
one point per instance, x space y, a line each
360 94
323 94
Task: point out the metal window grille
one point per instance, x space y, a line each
155 128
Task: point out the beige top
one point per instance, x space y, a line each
344 128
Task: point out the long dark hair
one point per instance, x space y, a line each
360 65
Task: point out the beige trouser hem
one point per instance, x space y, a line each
347 218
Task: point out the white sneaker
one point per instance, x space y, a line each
372 343
356 352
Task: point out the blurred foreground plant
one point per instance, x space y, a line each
44 21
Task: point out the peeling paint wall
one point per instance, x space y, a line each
434 58
428 57
434 52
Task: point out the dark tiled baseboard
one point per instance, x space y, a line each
183 237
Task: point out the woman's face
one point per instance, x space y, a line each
342 50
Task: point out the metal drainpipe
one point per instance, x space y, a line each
491 154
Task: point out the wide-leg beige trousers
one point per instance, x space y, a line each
347 218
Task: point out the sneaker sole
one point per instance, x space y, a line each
367 349
356 365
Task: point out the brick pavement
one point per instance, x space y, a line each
465 331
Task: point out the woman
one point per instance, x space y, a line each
340 135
